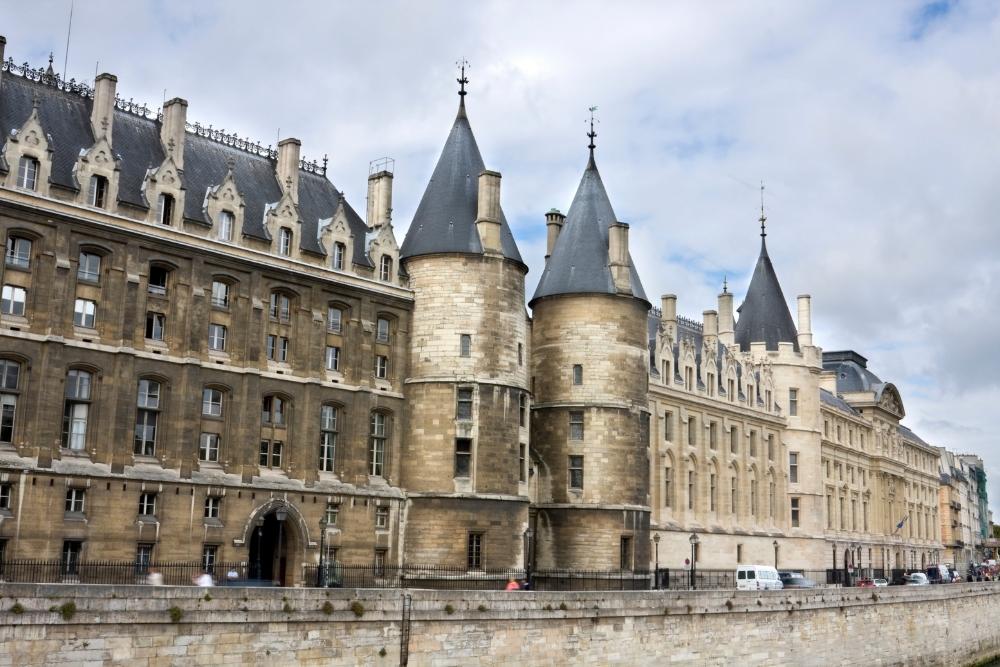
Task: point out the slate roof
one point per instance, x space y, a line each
852 372
764 315
445 220
837 402
579 260
689 329
65 117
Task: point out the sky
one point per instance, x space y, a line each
875 127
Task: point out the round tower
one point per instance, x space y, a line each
465 449
590 421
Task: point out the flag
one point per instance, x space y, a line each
899 525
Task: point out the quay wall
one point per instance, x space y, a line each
65 624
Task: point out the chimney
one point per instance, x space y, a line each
805 321
668 311
379 199
488 215
828 381
554 221
726 334
710 323
102 114
618 256
288 167
172 129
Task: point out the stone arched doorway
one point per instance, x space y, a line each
274 546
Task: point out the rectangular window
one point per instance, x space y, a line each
156 324
334 319
327 437
381 367
89 268
376 448
691 482
576 472
577 374
98 195
85 313
829 511
158 277
71 551
522 409
27 173
209 556
380 556
668 486
18 252
8 408
5 496
734 440
463 457
576 425
226 224
793 467
220 294
668 426
733 494
625 553
711 492
463 403
211 402
213 505
147 504
165 209
332 358
753 497
271 346
713 435
520 354
332 514
269 455
474 552
864 513
339 250
143 557
770 447
283 346
753 443
74 500
13 300
795 512
208 447
216 337
464 345
710 383
843 518
522 463
381 517
285 241
382 330
692 431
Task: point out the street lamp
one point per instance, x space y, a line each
656 567
528 534
775 544
260 538
694 558
280 515
321 572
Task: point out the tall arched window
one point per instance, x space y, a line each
379 437
147 417
10 376
327 437
76 409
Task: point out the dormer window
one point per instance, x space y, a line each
165 209
385 268
27 173
98 196
226 223
285 242
339 252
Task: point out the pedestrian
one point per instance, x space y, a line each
512 585
204 580
154 578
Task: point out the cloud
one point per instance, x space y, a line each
874 125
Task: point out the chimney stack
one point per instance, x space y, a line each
488 214
710 323
805 336
172 129
554 221
102 114
379 199
618 256
668 311
288 167
726 334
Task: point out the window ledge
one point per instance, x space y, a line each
147 519
157 344
14 319
6 512
75 516
74 453
213 523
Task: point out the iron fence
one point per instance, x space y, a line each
119 572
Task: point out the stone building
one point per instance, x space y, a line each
963 509
207 354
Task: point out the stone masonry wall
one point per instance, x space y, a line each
939 625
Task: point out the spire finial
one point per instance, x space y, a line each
725 284
763 218
462 79
592 134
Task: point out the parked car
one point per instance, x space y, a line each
917 579
879 583
757 578
795 580
866 583
938 574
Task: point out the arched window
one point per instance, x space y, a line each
692 483
159 277
76 409
147 417
10 376
385 268
327 437
334 319
18 251
220 294
285 242
211 402
379 436
89 268
734 491
339 253
226 223
280 307
272 432
27 173
273 411
165 209
98 195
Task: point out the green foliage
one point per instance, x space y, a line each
287 608
547 607
382 652
176 614
448 609
562 606
207 598
482 607
68 610
17 608
327 608
358 608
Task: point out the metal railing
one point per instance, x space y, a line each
119 572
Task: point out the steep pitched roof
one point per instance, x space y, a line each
579 260
445 220
764 315
65 116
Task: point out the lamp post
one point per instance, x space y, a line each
280 515
656 561
528 535
775 544
260 537
694 559
321 572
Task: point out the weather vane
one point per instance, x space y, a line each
592 134
462 79
763 218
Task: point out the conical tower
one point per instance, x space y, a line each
590 423
465 450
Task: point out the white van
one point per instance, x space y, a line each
757 578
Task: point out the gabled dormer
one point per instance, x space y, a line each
224 208
336 239
28 155
163 187
281 218
384 253
97 168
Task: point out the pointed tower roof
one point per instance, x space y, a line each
764 315
445 221
579 263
